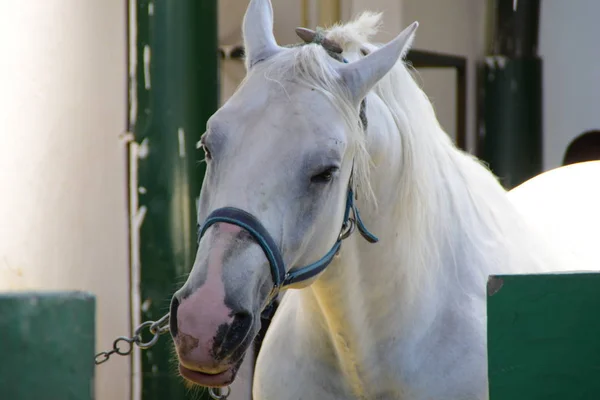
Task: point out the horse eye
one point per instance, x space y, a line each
325 176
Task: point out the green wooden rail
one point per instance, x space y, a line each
47 346
544 337
543 340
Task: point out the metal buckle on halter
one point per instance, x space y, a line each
347 229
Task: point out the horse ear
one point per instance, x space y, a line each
360 76
257 28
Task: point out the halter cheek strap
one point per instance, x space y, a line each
280 277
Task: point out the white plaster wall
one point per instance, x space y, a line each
569 47
63 202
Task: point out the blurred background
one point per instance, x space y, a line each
102 104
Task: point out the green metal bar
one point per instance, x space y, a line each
47 343
544 336
176 91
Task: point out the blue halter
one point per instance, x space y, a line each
281 278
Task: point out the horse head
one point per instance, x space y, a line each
283 158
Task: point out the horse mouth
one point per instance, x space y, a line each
217 380
209 380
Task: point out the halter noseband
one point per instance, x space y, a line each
245 220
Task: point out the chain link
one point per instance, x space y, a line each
223 393
156 328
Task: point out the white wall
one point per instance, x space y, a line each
63 203
570 49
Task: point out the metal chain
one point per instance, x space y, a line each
156 328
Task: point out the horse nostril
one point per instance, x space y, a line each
242 322
173 316
243 319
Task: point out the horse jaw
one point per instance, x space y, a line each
257 28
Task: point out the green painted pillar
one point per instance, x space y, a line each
511 135
47 343
176 91
544 336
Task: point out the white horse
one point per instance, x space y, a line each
401 318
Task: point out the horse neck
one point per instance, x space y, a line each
432 229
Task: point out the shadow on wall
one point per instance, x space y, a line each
585 147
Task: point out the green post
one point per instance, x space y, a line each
47 343
175 92
544 337
512 143
511 132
